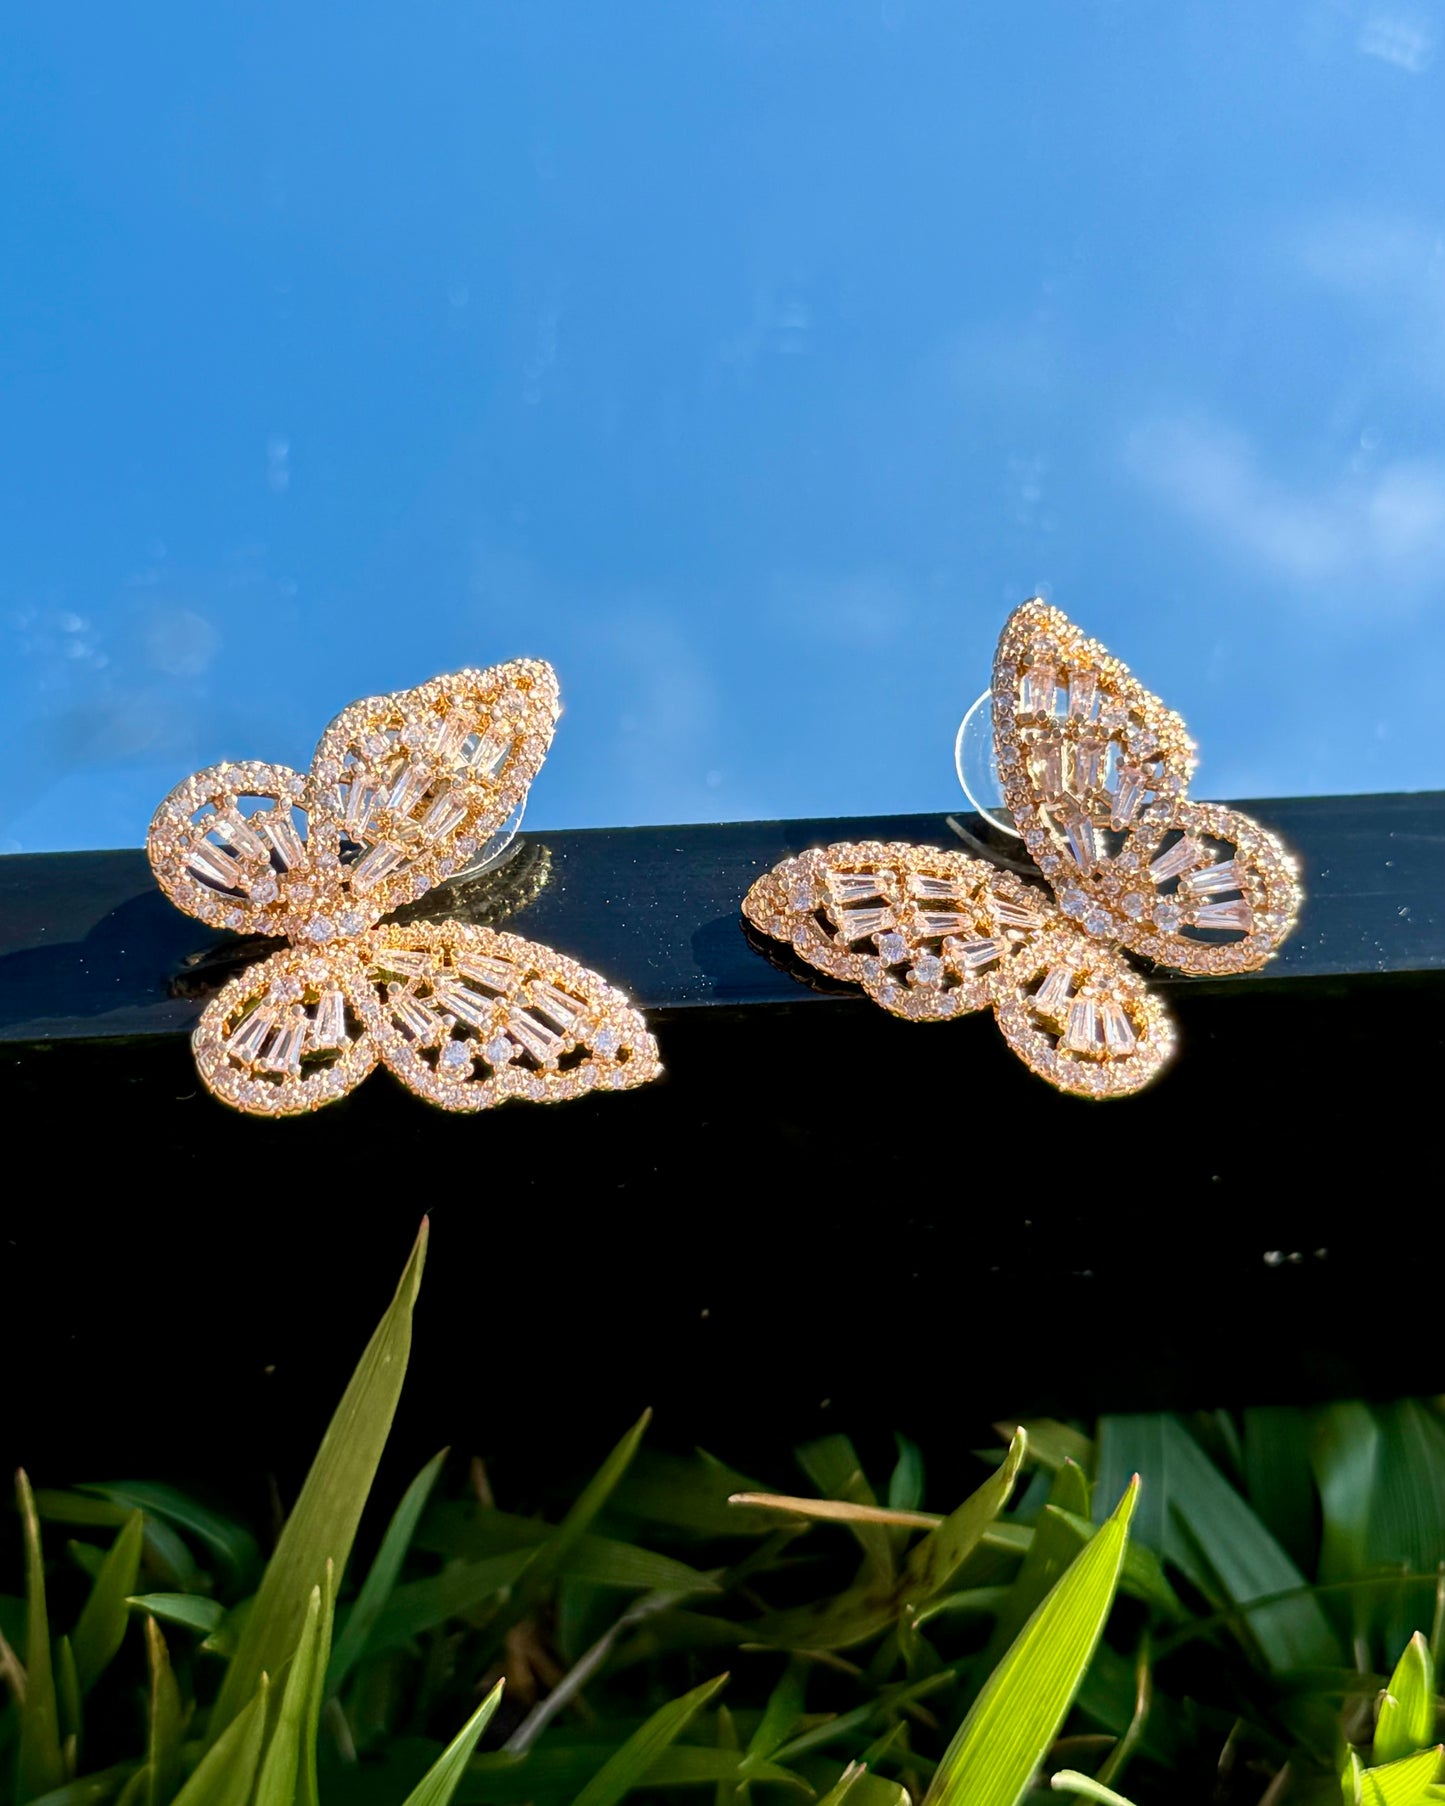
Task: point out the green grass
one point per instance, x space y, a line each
1258 1619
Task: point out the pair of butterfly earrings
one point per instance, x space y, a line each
412 790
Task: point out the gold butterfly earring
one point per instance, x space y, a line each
1095 772
404 792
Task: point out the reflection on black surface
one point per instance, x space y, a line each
488 900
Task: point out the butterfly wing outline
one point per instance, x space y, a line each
403 790
1096 772
931 934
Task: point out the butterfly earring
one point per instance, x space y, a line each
1095 772
402 793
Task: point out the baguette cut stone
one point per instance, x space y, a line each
924 885
1051 1000
1213 879
1083 688
852 887
858 924
1176 859
215 867
465 1005
1036 690
379 863
247 1040
972 956
328 1024
1234 914
414 1017
1119 1036
285 841
540 1041
1129 797
497 975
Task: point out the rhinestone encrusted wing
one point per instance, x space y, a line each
403 791
1095 771
931 934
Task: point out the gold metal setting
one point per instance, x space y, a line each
402 792
1095 771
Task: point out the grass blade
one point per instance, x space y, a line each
323 1524
279 1782
163 1736
439 1783
1407 1712
102 1624
382 1576
1067 1780
40 1766
1403 1783
933 1561
226 1773
307 1792
629 1767
1001 1742
191 1611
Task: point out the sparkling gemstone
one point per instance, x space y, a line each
892 948
361 800
285 841
1168 915
1178 858
935 922
1009 914
1035 840
1134 905
215 867
540 1041
1048 764
1234 914
1129 797
495 974
264 890
1113 714
852 887
320 928
444 814
409 961
1213 879
246 1041
414 1016
466 845
1073 902
1088 755
606 1041
300 893
857 924
1079 834
455 1058
1083 687
555 1004
1052 997
242 838
417 736
927 969
924 885
800 897
970 956
1083 1032
466 1005
452 736
1119 1036
235 918
1099 921
490 750
499 1051
409 789
379 863
1036 691
353 922
283 1051
1050 864
328 1024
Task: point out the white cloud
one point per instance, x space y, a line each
1404 40
1366 539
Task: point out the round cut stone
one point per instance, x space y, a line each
606 1041
1073 902
1134 905
455 1058
320 928
264 890
892 948
1098 921
1168 916
927 969
499 1051
353 922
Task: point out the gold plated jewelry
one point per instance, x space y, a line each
1095 772
402 792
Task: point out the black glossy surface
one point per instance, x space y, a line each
821 1216
89 946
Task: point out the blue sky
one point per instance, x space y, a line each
747 360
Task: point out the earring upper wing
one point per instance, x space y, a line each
233 845
931 934
1096 770
413 783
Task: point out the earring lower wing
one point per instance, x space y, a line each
930 934
468 1017
287 1036
414 783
